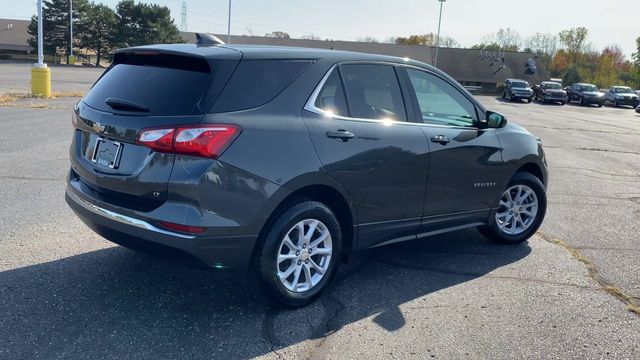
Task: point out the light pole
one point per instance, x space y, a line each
71 58
435 61
229 25
40 73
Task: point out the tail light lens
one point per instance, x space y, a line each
205 141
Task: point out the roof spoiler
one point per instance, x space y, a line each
204 39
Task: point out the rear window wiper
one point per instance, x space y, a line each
125 105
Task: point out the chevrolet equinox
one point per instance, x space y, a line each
282 161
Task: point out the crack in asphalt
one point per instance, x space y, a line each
631 302
610 177
478 275
582 130
592 149
268 331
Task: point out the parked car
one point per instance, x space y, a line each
621 96
284 160
516 89
586 94
549 91
637 92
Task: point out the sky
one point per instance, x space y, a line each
610 22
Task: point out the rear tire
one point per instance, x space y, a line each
293 269
615 104
520 213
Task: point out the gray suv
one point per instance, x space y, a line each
284 161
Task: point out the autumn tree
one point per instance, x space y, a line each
574 41
429 39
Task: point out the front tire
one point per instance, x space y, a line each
521 210
299 254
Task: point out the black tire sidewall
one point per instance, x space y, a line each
265 260
495 233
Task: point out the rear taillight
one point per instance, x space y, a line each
205 141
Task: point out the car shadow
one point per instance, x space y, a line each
116 303
507 101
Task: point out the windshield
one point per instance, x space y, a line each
519 84
622 90
552 86
588 88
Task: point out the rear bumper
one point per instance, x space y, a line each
115 225
630 102
591 101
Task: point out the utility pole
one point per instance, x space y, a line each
435 61
183 17
229 25
71 60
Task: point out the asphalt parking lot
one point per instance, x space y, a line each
66 293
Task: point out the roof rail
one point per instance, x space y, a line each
205 39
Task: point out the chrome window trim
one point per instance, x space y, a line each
123 219
311 103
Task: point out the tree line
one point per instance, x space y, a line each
100 29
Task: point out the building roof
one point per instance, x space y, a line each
14 36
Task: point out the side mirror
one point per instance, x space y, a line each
495 120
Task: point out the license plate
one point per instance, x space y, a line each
106 153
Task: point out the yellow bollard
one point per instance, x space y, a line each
72 60
41 81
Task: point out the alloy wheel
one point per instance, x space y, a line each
304 255
517 210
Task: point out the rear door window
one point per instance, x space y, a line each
163 90
373 92
256 82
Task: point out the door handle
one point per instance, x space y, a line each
342 135
440 139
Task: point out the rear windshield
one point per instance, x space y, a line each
519 84
256 82
161 90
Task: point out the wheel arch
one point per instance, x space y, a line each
326 192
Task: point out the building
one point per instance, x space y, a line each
475 69
14 37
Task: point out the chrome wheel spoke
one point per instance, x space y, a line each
296 277
319 240
284 257
307 276
288 272
316 267
322 251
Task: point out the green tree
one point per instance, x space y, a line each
574 41
571 76
144 24
55 25
99 30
